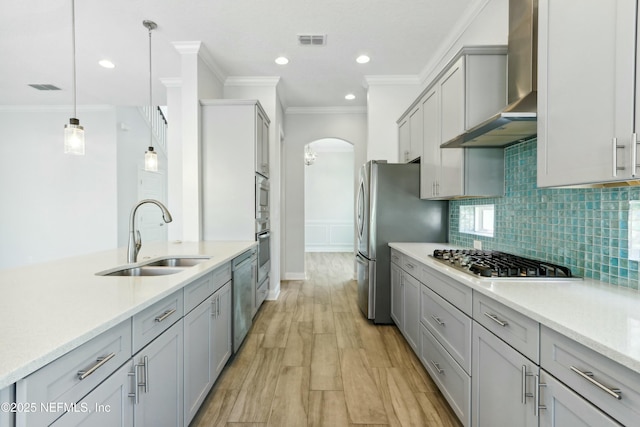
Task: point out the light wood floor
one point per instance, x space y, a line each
312 359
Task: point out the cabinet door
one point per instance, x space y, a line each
396 296
108 405
503 379
198 353
563 407
411 291
262 144
404 141
415 126
6 396
586 90
430 161
159 367
222 338
452 116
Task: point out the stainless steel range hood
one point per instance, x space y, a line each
518 121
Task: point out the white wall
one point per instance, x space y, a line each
56 205
302 127
329 198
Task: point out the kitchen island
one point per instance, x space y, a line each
49 309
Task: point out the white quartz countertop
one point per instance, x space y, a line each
602 317
48 309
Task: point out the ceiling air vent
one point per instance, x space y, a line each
44 87
312 39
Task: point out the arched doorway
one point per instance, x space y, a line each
329 196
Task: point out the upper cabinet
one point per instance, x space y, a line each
586 92
468 91
410 130
262 142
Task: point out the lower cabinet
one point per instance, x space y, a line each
396 296
7 396
503 383
159 390
109 405
207 348
411 295
560 407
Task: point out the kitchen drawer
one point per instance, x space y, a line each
452 380
154 320
517 330
411 266
454 292
396 257
558 354
563 407
261 292
450 326
70 377
202 288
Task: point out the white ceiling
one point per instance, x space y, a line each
243 37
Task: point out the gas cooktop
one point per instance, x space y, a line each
495 264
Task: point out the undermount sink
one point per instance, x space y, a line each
143 271
157 267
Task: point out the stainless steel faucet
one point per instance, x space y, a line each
135 242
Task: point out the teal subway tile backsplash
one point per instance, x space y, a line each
584 229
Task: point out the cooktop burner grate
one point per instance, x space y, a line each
499 264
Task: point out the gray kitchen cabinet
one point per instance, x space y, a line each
410 135
411 310
586 92
561 407
7 395
73 375
262 143
396 296
606 384
207 347
109 405
503 392
159 369
470 89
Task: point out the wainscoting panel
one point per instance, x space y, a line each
329 236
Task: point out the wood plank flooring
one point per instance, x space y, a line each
312 359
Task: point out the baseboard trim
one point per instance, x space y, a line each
294 276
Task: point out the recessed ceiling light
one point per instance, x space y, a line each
281 60
106 63
349 97
363 59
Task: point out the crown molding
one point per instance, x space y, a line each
187 47
196 47
252 81
326 110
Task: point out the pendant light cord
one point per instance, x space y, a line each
150 94
73 44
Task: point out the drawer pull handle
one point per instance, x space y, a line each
164 315
410 266
613 392
100 361
437 367
438 320
495 319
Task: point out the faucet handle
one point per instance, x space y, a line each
138 240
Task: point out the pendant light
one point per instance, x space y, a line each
150 156
73 132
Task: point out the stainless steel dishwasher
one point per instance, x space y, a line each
244 279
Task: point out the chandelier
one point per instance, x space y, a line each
309 155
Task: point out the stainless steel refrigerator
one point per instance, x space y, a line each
389 209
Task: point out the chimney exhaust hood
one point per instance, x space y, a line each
518 121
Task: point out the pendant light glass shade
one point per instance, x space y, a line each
74 138
150 156
73 132
151 160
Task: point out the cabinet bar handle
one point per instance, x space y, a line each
214 309
146 374
537 405
135 394
613 392
495 319
525 374
100 361
616 168
437 367
164 315
438 320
